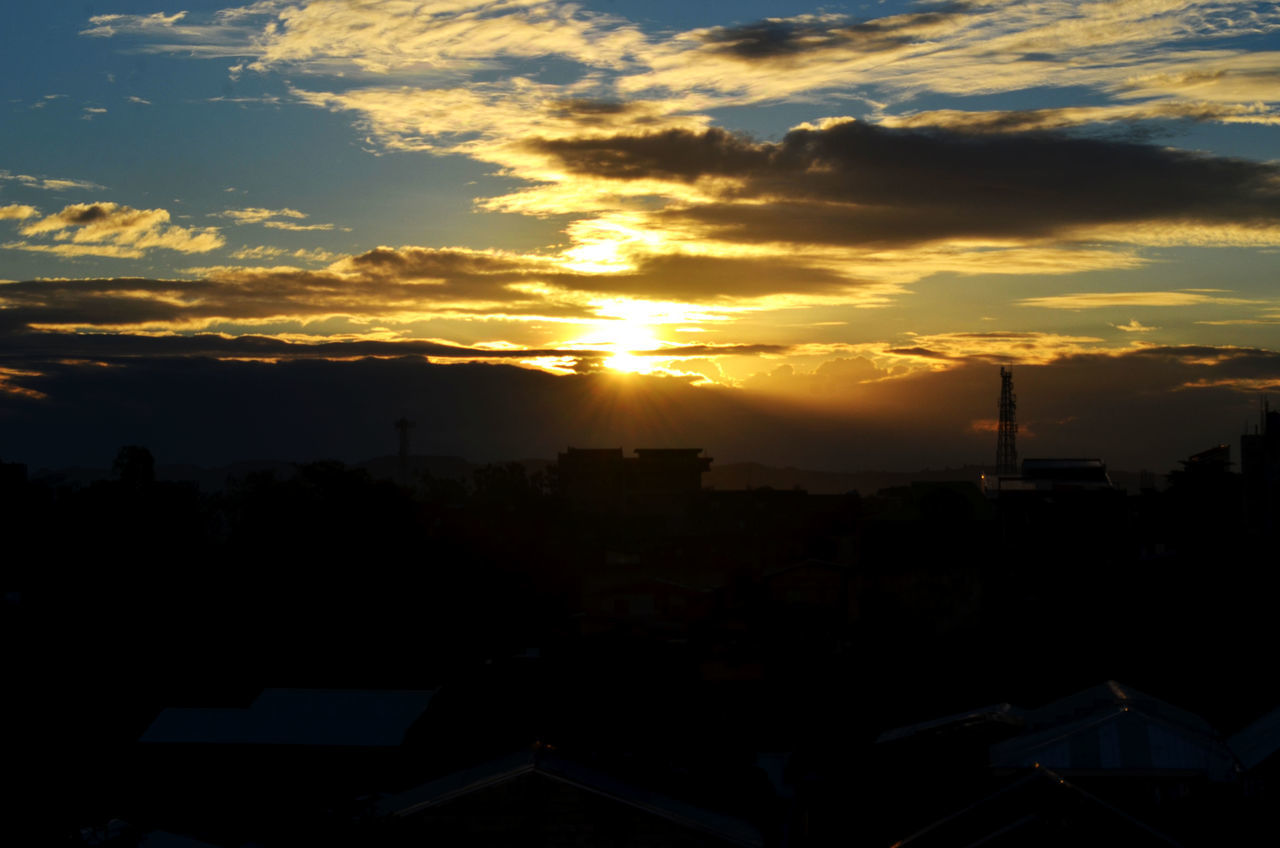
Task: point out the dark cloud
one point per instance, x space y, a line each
116 346
861 184
918 351
592 107
708 277
672 154
422 263
780 40
86 215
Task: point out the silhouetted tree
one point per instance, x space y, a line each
134 467
504 485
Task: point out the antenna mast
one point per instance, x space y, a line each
1006 444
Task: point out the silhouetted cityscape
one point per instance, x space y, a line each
604 650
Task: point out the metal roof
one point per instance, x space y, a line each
321 717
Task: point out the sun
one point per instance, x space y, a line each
624 329
628 334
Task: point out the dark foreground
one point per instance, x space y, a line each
329 659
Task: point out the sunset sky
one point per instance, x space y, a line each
797 233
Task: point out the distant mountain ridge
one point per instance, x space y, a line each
729 476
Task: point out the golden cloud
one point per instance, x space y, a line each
17 212
114 230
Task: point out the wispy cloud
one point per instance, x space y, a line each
263 252
49 183
257 215
271 218
1106 300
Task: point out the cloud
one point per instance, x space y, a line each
627 121
113 346
396 285
484 119
17 212
964 49
1165 52
287 225
781 40
105 26
114 230
256 214
381 37
1224 78
1028 120
264 252
853 183
47 183
997 346
1104 300
1134 326
268 218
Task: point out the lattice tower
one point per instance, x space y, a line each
1006 441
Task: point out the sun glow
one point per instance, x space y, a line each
627 329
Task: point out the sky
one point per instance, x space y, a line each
804 234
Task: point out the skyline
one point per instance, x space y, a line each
847 214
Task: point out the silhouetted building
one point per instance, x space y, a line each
1260 467
1052 476
1215 460
284 762
653 482
1108 764
13 476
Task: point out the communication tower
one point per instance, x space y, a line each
1006 443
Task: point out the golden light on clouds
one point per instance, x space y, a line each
812 205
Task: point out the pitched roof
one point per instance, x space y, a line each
1112 727
1258 741
547 766
1040 807
1006 714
